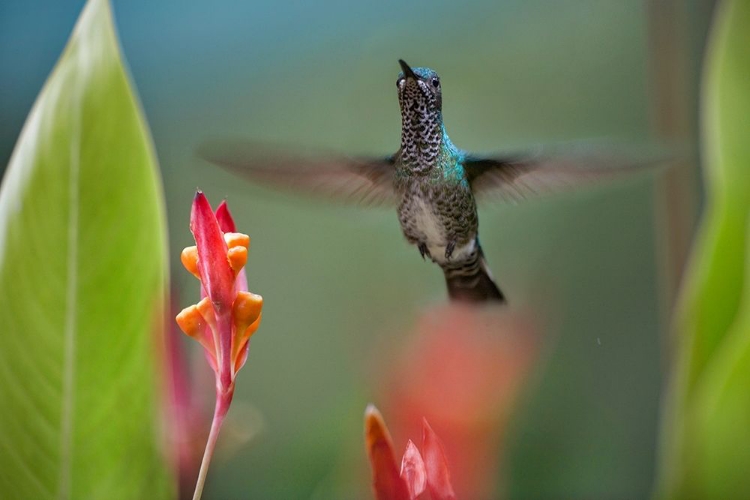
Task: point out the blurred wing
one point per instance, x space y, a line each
367 181
517 177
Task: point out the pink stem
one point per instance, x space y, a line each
223 400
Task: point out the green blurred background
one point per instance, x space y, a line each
597 267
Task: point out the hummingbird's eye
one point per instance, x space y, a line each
435 82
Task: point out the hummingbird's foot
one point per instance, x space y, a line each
449 249
424 251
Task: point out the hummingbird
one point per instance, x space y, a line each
432 183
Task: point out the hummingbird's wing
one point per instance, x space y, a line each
517 177
364 181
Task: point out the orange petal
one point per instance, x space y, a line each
245 310
386 480
252 328
191 321
237 258
239 348
189 258
237 240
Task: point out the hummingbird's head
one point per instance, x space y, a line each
422 132
418 90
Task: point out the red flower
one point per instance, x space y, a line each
227 314
418 472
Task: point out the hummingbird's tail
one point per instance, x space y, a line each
470 279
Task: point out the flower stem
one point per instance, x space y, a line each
223 400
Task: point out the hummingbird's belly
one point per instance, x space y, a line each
423 222
428 225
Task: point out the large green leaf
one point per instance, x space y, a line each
707 426
82 275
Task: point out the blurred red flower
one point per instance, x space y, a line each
463 369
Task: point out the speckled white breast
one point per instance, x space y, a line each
426 226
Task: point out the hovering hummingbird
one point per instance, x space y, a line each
432 182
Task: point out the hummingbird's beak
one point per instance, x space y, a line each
408 73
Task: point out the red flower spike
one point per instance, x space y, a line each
438 477
228 314
413 471
386 480
217 278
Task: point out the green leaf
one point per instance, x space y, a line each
707 425
82 284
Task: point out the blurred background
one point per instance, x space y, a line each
593 271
